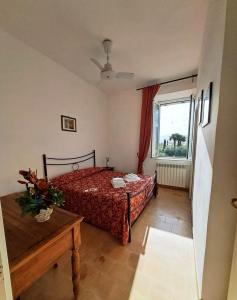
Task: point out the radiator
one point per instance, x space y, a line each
173 174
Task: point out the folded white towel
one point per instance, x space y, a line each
118 182
131 177
117 179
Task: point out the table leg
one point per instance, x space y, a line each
76 261
75 271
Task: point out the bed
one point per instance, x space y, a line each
89 192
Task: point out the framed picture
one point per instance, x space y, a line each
68 123
207 99
200 108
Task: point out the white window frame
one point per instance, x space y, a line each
168 102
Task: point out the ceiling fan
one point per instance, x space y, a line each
106 71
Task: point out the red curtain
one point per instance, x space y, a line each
148 95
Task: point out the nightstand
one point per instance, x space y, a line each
109 168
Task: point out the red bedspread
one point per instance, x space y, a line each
89 192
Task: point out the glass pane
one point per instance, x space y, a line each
155 131
174 122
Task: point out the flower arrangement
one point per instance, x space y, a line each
40 196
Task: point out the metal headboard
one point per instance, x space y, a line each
79 159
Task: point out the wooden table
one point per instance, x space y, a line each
33 248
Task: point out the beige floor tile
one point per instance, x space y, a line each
144 270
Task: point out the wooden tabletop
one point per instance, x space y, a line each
23 232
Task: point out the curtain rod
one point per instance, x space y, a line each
165 82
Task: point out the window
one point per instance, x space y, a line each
171 127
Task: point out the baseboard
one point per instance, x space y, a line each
173 187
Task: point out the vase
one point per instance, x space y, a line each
44 215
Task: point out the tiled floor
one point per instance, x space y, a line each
166 271
161 248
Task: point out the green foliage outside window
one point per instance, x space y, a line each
173 147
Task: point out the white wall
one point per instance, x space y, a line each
35 91
5 281
215 179
229 77
209 70
124 126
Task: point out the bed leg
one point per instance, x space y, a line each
155 190
45 167
129 217
94 158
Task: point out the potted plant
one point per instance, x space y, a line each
40 196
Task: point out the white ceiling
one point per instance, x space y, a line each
155 39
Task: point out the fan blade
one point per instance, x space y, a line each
97 63
124 75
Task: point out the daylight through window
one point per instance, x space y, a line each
171 121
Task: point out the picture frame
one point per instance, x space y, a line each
68 123
200 108
206 103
